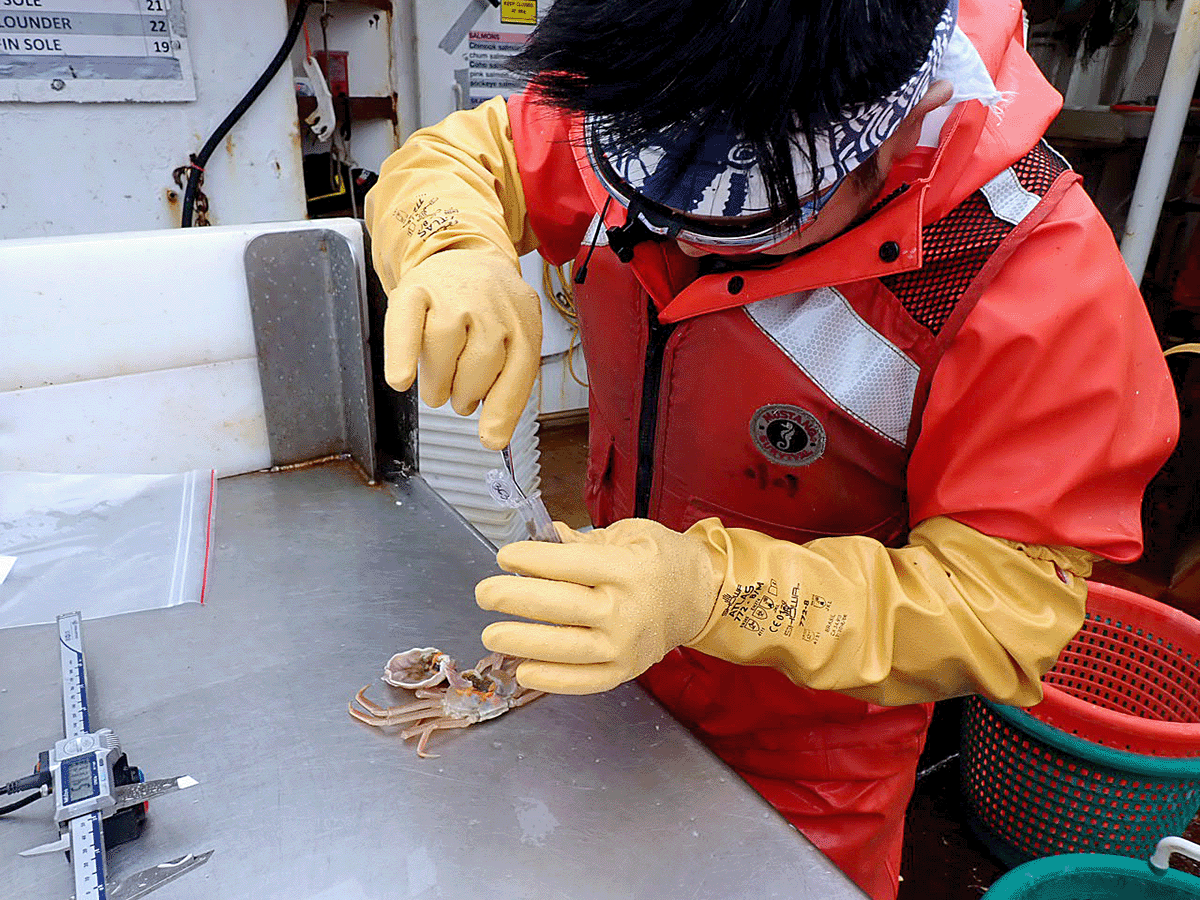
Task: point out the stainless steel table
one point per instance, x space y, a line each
317 579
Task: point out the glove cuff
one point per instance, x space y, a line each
713 543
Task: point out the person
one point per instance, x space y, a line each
870 386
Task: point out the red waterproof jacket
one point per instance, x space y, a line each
975 349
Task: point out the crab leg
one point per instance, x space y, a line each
389 721
425 733
491 661
525 697
383 721
366 718
383 716
426 730
414 717
384 711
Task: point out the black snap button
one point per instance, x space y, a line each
736 283
889 251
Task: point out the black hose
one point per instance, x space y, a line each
199 160
24 801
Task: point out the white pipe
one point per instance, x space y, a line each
1172 844
1162 143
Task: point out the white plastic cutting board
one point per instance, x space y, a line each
133 352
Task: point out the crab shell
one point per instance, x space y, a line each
482 693
417 668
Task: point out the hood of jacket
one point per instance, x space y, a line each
1001 108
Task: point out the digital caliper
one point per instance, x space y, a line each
82 772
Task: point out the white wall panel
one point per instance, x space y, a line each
83 168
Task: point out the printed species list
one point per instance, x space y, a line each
488 53
56 44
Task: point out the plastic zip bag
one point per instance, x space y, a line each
103 544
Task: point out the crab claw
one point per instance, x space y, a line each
417 668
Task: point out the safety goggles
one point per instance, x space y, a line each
742 234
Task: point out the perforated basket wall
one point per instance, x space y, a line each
1029 798
1130 679
1110 761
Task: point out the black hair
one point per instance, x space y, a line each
775 71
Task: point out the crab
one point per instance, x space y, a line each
446 697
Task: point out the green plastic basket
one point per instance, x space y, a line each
1098 876
1034 791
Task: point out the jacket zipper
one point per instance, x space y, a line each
656 346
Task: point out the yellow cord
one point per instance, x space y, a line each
1183 348
563 300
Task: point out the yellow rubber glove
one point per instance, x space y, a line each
448 222
953 613
476 328
619 599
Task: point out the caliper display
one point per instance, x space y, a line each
80 779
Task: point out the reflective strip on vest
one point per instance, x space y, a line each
1009 200
596 234
853 364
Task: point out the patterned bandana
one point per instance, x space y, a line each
721 182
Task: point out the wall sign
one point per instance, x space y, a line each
488 53
518 12
94 50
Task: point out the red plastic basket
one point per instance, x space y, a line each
1130 680
1109 762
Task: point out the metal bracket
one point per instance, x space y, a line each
310 328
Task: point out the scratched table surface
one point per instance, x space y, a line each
317 578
